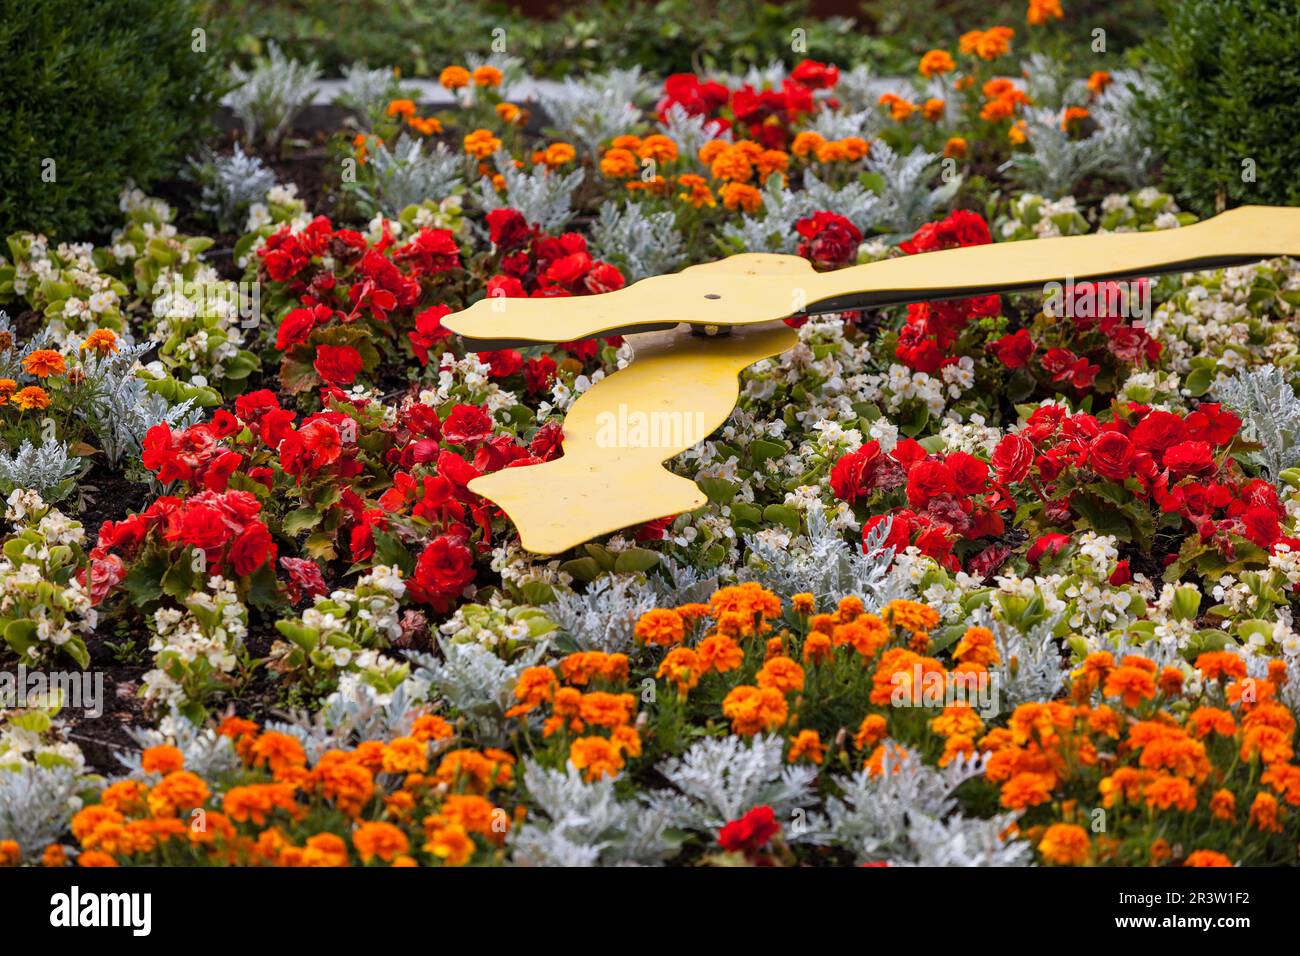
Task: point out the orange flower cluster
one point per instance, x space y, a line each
288 817
574 712
987 44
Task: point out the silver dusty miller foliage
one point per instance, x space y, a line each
230 183
121 409
543 197
603 618
206 752
1056 161
593 111
643 245
907 200
37 467
269 97
904 813
473 680
827 566
367 92
586 824
719 779
1270 415
406 173
35 803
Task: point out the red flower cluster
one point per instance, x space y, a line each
224 526
1173 461
949 497
768 115
337 277
751 833
829 239
926 340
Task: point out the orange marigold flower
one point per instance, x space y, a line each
44 362
557 154
403 108
124 795
772 161
899 108
1171 681
741 196
806 143
957 745
1098 81
1207 858
508 112
1285 779
454 77
450 844
325 849
619 163
101 341
481 143
803 603
849 608
806 744
1264 813
658 147
697 191
473 812
257 801
425 126
720 654
781 673
910 615
487 75
31 397
54 855
277 751
406 755
431 727
755 709
1041 11
596 757
180 790
1065 844
1220 665
10 853
607 710
937 63
750 602
987 44
95 858
1223 805
933 109
817 648
379 839
660 626
1018 133
977 645
1026 790
162 759
1207 720
732 164
1131 684
1073 114
955 148
871 732
1166 792
957 719
535 686
681 666
1270 744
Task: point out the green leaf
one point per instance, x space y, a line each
636 559
719 490
782 515
300 520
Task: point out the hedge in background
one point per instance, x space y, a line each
1230 72
108 90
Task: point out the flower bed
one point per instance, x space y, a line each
1004 580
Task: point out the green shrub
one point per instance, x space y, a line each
108 90
1230 77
